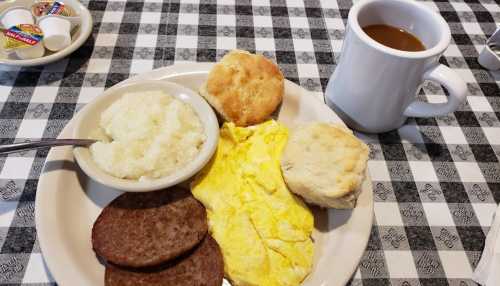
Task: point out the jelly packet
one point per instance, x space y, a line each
25 40
58 8
43 8
21 36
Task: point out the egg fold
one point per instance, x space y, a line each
264 231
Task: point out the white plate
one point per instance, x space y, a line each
78 37
68 202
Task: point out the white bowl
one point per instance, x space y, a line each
79 36
87 121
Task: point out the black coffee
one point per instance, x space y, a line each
395 38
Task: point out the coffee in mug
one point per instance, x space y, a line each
374 86
395 38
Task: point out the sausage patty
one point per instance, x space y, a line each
203 266
147 229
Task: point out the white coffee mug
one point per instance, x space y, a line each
374 87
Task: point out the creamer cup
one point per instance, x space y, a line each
33 52
57 32
16 15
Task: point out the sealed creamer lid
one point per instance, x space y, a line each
15 15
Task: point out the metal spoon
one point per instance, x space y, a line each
18 147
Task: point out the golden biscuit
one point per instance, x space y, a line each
244 88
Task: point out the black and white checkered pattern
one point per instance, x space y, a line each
436 180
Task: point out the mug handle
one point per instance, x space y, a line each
454 84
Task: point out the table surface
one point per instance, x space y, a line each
436 181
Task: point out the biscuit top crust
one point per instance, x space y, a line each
324 160
245 88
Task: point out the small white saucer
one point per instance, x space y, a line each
78 37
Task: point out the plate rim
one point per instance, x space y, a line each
84 35
159 74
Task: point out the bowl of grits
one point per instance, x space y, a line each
150 135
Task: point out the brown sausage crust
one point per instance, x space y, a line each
203 266
147 229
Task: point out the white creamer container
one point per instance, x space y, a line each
56 31
36 51
16 15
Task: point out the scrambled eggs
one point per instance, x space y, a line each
263 230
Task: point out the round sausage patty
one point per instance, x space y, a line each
203 266
147 229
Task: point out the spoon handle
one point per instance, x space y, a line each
18 147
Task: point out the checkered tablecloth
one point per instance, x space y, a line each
436 181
